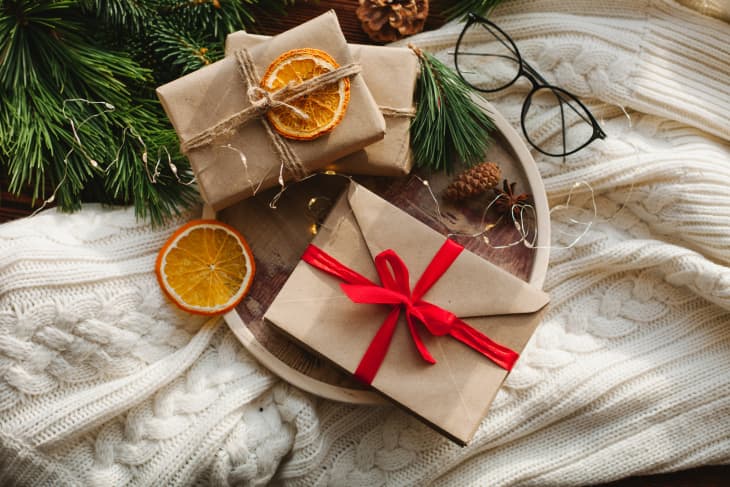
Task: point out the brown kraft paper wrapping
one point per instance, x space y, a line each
201 99
390 73
452 395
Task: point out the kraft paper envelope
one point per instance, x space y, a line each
454 394
391 74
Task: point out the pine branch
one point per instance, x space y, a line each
41 42
181 52
63 63
214 16
448 122
148 169
460 8
122 14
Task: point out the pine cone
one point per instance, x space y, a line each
473 181
389 20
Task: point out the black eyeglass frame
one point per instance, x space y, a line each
538 83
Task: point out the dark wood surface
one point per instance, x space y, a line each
12 207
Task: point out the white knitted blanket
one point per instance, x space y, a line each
103 382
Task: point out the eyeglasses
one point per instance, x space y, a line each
546 105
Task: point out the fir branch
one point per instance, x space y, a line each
214 16
182 52
148 169
104 53
122 14
448 122
459 9
44 42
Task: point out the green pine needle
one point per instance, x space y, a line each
459 9
448 122
182 52
61 61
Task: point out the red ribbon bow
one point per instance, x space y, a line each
396 291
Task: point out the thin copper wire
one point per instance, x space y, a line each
101 167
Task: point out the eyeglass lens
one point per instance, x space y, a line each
481 46
553 120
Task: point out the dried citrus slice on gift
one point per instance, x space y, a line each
323 108
205 267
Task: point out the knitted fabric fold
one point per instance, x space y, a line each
104 382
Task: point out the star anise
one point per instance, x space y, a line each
508 201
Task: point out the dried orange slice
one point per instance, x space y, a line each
324 108
205 267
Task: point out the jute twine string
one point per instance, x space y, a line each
261 102
397 112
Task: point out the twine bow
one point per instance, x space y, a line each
261 101
395 291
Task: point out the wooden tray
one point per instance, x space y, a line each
278 238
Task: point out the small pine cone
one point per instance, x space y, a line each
390 20
474 181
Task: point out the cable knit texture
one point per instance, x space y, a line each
103 382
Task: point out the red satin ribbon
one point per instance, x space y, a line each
395 290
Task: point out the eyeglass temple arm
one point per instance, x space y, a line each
487 54
562 121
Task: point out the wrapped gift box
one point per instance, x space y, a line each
390 73
234 167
